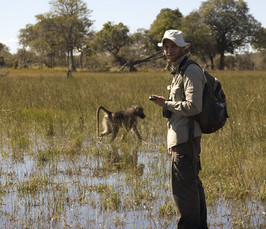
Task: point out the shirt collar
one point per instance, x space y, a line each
174 66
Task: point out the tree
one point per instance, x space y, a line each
26 36
200 36
4 51
6 58
230 23
72 23
140 44
42 38
25 57
259 41
59 33
131 64
49 42
166 19
112 38
141 50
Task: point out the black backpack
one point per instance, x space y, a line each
214 110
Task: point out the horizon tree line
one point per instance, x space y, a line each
63 37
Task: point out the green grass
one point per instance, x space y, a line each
50 120
234 158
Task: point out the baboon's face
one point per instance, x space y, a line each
139 112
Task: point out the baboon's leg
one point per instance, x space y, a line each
114 133
137 132
124 135
107 129
106 132
126 128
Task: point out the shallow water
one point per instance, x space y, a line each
101 191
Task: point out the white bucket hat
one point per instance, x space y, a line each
176 36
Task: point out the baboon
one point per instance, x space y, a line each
112 121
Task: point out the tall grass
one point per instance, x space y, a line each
234 158
49 121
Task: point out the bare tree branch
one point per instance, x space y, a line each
131 64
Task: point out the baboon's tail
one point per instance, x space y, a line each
98 115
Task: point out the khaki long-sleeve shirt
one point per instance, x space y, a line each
186 95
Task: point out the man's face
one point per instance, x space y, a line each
171 51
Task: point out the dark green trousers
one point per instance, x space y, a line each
188 193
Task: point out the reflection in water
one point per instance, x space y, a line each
105 186
122 159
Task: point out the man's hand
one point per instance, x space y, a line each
159 100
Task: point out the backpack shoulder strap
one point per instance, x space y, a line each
183 66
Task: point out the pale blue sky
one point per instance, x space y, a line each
15 14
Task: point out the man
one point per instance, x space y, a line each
184 134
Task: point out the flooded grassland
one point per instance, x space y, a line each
55 173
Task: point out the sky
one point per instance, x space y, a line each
16 14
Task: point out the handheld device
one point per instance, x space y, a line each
152 98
